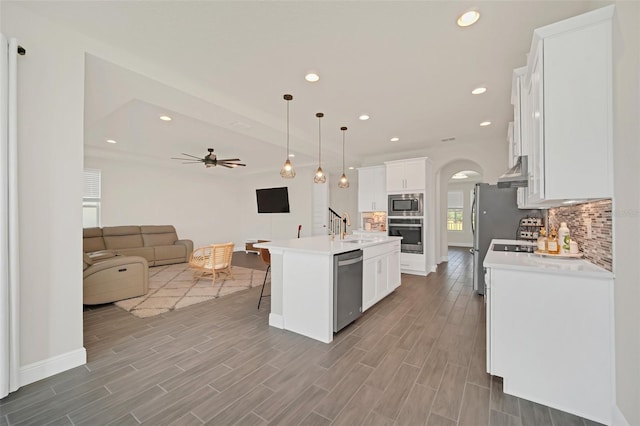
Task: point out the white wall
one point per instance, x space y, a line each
202 206
275 226
50 134
462 238
626 206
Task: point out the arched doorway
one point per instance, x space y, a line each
444 179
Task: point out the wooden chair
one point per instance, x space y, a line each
265 256
214 259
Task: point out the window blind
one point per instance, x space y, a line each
91 184
455 200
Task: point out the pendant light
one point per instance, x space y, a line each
287 170
319 177
344 182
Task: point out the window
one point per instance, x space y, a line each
91 198
454 211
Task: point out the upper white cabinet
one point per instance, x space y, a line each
406 175
372 189
566 110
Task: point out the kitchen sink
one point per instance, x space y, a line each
355 241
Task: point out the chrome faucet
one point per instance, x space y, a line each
346 220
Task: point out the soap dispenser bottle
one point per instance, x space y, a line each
564 238
552 244
542 240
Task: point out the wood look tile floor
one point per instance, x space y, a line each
416 358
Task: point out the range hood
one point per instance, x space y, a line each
517 176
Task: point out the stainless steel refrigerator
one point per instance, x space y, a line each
494 214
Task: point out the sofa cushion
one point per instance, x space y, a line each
122 237
158 235
170 252
92 240
146 252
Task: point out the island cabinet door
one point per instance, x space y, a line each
369 275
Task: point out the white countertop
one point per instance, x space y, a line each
324 245
537 263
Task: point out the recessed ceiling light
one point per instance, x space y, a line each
312 77
485 123
111 141
459 175
165 118
351 167
394 139
292 155
468 18
364 117
478 90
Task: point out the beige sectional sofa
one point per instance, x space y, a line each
116 259
159 245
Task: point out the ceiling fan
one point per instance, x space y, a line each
210 160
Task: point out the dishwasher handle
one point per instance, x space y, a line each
349 261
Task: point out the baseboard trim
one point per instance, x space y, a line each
444 259
51 366
276 320
617 418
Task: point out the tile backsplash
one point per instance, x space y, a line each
598 248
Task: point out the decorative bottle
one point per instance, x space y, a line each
542 240
564 238
552 244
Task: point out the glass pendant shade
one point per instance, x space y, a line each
343 182
319 177
287 170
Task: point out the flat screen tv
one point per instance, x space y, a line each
273 200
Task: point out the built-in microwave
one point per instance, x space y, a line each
405 205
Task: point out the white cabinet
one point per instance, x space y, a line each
550 336
567 110
413 263
372 189
406 175
380 272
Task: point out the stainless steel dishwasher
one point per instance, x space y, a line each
347 288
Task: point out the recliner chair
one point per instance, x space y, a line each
113 279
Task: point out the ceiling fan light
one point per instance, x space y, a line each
287 170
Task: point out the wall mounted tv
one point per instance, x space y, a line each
273 200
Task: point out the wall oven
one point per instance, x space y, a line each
411 232
405 205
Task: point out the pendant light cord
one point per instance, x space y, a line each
319 142
287 129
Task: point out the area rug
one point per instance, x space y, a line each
172 287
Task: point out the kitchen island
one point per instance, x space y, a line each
550 330
302 279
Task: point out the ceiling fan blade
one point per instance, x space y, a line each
189 155
232 164
186 159
224 165
230 159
